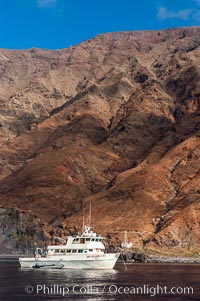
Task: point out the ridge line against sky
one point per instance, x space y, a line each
55 24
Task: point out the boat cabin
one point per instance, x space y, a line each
87 242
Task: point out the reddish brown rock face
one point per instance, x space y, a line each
114 121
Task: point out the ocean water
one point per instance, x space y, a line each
132 282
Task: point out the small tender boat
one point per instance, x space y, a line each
48 266
82 251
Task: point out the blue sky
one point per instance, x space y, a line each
55 24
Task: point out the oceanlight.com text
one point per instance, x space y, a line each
64 290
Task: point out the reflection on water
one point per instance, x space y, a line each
54 285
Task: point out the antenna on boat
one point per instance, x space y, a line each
90 215
83 217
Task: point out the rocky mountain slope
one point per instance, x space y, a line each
114 121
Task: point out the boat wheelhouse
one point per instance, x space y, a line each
86 243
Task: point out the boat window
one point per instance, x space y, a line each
68 251
73 251
92 239
75 241
87 239
57 251
82 240
62 251
91 250
80 251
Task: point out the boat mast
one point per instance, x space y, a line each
90 215
83 217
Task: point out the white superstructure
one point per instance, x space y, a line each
82 251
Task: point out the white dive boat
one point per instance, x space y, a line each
81 251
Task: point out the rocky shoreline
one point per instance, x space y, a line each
140 257
163 259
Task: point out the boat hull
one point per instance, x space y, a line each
102 262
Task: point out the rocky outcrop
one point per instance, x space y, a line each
113 121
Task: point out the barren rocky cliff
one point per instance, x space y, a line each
114 121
